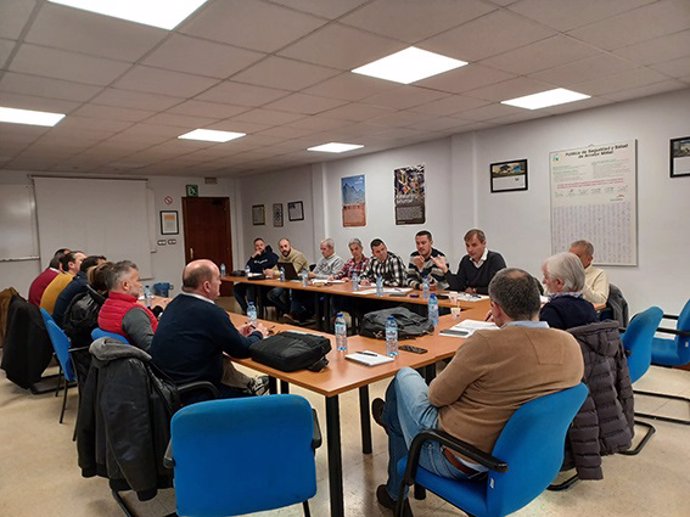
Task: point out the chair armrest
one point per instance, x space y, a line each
675 332
168 460
199 385
670 317
316 439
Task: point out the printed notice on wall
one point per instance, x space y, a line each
410 197
594 197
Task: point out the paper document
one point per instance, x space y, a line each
323 281
387 291
467 327
369 358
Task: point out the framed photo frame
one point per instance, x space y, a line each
295 211
679 154
258 215
277 215
508 176
170 223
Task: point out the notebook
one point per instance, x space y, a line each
369 358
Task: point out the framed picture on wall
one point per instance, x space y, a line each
258 215
170 224
277 215
295 211
680 156
508 176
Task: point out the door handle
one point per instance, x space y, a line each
191 253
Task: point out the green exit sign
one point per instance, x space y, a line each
192 190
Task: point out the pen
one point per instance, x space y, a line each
373 354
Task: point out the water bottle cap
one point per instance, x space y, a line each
339 315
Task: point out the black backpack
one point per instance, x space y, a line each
410 325
81 317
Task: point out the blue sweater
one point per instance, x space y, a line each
191 337
75 287
564 312
469 275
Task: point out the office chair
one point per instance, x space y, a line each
637 341
61 345
671 352
98 333
526 458
237 456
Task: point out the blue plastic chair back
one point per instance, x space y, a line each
98 333
162 289
61 344
674 352
238 456
637 341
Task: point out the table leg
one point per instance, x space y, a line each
284 387
364 419
319 312
272 385
335 460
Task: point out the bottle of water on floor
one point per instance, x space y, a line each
391 337
340 333
148 296
433 310
379 285
425 287
251 313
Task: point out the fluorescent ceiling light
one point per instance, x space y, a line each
33 118
409 65
164 14
334 147
211 135
545 99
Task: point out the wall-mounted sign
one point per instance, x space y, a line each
192 190
168 200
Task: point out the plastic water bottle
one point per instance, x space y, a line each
425 287
247 271
251 313
304 276
391 337
355 282
222 269
340 333
433 310
379 285
148 296
282 274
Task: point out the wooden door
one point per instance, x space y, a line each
207 231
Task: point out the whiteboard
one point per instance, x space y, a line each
594 197
17 223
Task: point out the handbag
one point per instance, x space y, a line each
291 351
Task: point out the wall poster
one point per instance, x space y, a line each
353 192
594 197
408 183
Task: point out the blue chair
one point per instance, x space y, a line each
61 346
671 352
637 341
237 456
98 333
530 448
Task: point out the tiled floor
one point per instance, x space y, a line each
39 474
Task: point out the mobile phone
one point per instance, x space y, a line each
413 349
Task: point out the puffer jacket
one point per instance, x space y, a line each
123 426
604 424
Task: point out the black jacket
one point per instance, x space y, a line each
266 260
604 424
123 427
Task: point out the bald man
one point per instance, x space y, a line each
193 333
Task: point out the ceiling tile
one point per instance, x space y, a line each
6 47
241 126
16 100
181 121
578 105
589 68
278 72
414 21
450 105
674 46
207 109
488 112
328 10
675 68
465 79
286 132
13 16
566 14
621 81
156 80
645 90
135 100
349 86
489 35
93 124
241 94
404 97
354 111
89 33
319 123
96 111
554 51
342 47
397 119
46 87
511 89
266 116
197 56
439 124
307 104
650 21
79 68
254 25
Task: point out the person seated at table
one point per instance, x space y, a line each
476 269
386 264
564 278
302 304
194 334
355 265
424 263
39 284
596 288
279 296
262 258
481 387
75 287
69 264
122 313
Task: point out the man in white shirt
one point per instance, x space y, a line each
596 288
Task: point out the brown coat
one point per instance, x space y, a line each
5 299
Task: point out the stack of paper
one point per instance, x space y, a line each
387 291
467 327
369 358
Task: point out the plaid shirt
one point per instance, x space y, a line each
392 271
351 267
415 276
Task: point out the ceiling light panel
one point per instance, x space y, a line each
409 65
211 135
30 117
546 99
334 147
